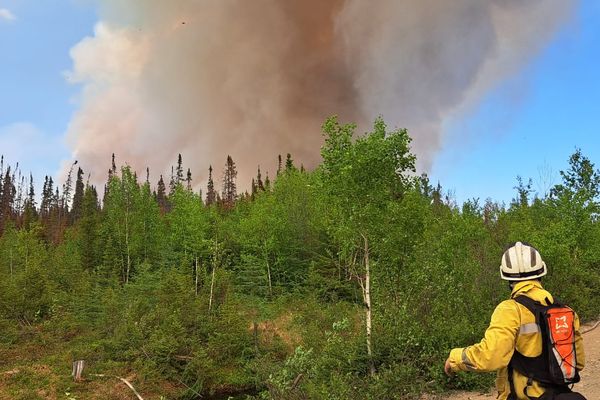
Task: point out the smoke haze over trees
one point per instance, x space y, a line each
253 79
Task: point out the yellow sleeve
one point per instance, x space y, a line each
579 352
496 348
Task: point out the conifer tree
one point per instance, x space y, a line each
161 195
18 204
253 189
67 186
179 170
111 172
259 183
229 192
30 212
113 167
211 195
188 180
7 200
47 192
289 163
172 182
278 164
77 196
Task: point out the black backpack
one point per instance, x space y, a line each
555 368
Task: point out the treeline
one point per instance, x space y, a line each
59 210
349 281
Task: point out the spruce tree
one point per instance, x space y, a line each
188 180
289 163
30 212
7 200
259 183
46 199
113 167
161 195
179 171
211 195
77 196
172 182
229 192
18 204
66 195
111 172
278 164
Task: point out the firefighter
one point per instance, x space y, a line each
513 334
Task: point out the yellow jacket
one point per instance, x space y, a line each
512 327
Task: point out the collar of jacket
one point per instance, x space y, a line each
533 290
524 287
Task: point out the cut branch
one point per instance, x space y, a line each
125 381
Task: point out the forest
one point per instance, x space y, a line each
352 280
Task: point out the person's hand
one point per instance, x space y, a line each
448 368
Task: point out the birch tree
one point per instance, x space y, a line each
360 178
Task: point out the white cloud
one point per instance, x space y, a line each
7 15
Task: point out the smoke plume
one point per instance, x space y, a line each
255 79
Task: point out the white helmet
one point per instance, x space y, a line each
522 262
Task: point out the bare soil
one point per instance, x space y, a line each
590 376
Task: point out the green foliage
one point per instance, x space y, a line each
263 297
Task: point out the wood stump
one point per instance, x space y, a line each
78 370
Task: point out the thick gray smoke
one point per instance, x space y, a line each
255 79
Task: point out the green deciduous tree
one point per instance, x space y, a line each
360 178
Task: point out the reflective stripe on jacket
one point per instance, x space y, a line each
511 326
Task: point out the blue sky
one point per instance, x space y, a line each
35 100
530 124
527 126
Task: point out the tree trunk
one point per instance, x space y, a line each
212 285
367 298
127 246
196 277
212 281
268 270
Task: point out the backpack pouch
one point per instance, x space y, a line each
560 325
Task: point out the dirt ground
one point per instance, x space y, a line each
590 376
